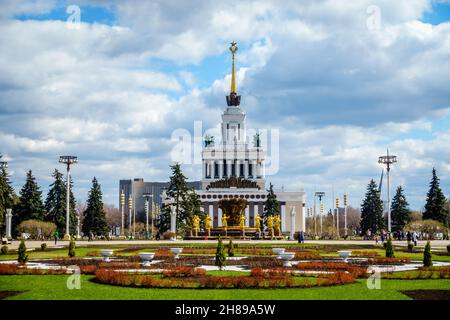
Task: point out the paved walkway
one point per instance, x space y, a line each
435 244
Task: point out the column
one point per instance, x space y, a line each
211 214
238 168
220 169
255 212
229 168
291 236
203 169
254 169
173 220
283 218
246 169
303 218
263 168
219 217
258 169
8 223
247 215
213 169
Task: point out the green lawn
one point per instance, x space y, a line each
54 287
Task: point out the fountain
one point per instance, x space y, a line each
176 251
278 251
286 257
106 254
146 257
344 254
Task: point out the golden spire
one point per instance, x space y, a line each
233 50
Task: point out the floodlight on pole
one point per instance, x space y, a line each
345 215
320 195
68 161
337 217
130 208
388 160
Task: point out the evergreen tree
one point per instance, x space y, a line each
22 255
372 210
271 206
94 216
30 204
231 248
427 257
55 204
400 213
220 254
186 202
7 196
71 252
389 249
435 207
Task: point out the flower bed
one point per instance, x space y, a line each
184 278
354 271
422 273
17 269
364 254
388 261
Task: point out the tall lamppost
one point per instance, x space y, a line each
68 161
320 195
122 211
345 215
130 208
337 216
388 160
147 195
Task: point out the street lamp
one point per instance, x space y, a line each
130 207
388 160
122 207
337 216
345 214
147 195
68 161
320 195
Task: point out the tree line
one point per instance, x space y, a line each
436 209
29 206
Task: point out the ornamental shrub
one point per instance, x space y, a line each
71 249
43 246
22 252
389 249
427 259
220 255
230 249
448 248
5 250
410 246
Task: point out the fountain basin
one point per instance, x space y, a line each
344 254
176 251
278 251
106 254
286 257
146 257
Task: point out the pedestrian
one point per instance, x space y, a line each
408 237
376 239
56 236
415 239
301 237
382 236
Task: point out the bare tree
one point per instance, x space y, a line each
113 215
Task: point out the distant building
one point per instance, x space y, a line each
136 189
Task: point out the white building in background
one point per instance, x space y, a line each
234 167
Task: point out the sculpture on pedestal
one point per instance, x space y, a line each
196 224
208 224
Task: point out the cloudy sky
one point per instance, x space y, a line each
342 81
